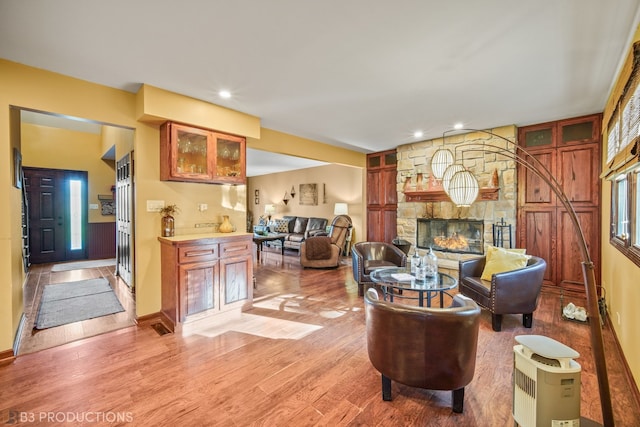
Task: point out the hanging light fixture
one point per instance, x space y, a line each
448 174
285 199
293 192
440 161
463 188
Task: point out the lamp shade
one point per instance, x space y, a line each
341 209
440 161
448 174
463 188
269 209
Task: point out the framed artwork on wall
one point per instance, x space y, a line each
309 194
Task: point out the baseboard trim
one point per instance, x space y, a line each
627 370
150 319
7 357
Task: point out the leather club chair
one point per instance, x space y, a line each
324 251
369 256
511 292
430 348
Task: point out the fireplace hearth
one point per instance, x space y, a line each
451 235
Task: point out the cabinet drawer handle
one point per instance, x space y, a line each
199 253
236 249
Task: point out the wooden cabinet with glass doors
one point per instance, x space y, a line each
194 154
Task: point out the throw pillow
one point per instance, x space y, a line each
282 226
301 225
501 260
491 249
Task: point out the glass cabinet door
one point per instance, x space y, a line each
191 153
538 136
230 154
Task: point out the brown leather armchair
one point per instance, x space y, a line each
511 292
431 348
368 256
324 251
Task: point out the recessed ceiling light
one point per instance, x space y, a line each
418 134
224 94
458 126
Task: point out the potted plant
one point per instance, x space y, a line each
168 222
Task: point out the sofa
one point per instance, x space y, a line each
298 228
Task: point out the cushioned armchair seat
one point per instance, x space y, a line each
324 251
430 348
369 256
509 292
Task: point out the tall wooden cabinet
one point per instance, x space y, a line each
205 276
382 196
570 149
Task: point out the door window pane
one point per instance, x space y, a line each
75 213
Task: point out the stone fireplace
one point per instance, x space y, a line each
413 170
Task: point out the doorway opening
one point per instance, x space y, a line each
71 209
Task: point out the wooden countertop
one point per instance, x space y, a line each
203 238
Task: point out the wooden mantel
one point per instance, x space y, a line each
489 193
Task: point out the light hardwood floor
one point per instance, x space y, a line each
40 276
297 358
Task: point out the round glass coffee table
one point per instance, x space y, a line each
398 282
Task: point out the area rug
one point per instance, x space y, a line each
75 301
83 264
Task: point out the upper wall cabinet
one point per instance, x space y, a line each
200 155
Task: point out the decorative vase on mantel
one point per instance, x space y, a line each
226 226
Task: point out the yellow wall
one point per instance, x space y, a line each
342 183
619 274
282 143
31 88
53 148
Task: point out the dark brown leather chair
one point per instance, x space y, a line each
312 251
431 348
511 292
368 256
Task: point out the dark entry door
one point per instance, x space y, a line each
56 230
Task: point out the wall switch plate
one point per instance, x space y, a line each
93 206
155 205
202 207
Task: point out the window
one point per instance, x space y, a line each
623 164
621 213
75 213
636 215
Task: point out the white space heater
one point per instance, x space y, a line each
546 383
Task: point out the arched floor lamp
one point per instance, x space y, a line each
524 158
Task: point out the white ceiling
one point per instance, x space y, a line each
361 74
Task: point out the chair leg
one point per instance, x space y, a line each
386 388
496 322
527 320
458 400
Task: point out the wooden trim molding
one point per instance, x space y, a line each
7 357
485 194
159 317
628 375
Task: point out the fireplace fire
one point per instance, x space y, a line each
451 235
